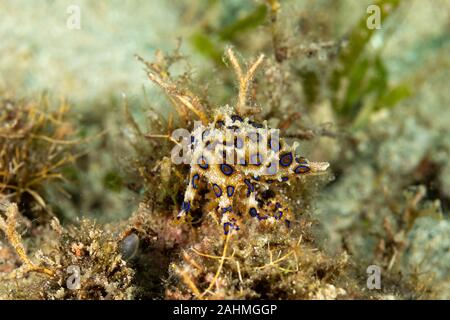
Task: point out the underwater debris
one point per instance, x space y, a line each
82 262
36 143
129 246
259 263
8 226
183 99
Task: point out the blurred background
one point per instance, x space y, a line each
374 103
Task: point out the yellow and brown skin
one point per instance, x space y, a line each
236 156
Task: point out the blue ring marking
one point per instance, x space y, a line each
253 212
302 169
230 191
278 215
185 206
257 178
226 169
288 223
217 190
270 181
286 159
284 178
202 163
301 160
262 218
250 187
277 205
226 227
226 209
194 180
220 123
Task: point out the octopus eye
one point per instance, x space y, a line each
238 143
226 169
302 169
230 191
256 159
286 159
220 124
217 190
255 124
270 181
235 118
186 206
194 180
202 163
253 212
